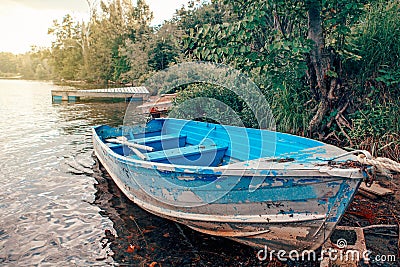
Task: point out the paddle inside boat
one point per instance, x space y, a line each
258 187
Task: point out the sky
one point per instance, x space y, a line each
24 23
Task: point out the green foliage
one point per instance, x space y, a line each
289 108
339 16
94 51
32 65
137 56
375 120
8 63
374 68
264 39
162 55
389 76
375 39
376 128
252 35
67 59
196 14
227 108
36 64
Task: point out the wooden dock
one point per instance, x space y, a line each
135 93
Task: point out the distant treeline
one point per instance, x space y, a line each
329 69
117 44
31 66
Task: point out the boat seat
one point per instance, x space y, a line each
163 142
159 142
199 155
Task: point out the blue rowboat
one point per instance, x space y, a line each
258 187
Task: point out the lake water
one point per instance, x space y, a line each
46 175
58 207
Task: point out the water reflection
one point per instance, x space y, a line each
46 176
57 209
76 114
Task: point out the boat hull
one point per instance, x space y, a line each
284 211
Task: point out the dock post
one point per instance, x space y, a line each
64 95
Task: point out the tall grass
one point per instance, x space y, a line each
376 41
376 123
288 105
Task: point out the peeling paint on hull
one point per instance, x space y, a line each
294 207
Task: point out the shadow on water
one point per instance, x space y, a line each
76 114
142 239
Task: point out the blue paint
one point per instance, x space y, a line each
200 155
72 98
344 198
162 142
183 172
57 98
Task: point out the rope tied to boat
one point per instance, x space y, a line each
379 162
380 165
365 158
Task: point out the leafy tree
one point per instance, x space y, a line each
279 42
93 50
137 56
119 23
8 63
164 47
67 57
329 22
267 41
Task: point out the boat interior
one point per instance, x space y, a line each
194 143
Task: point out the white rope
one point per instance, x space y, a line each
365 158
379 162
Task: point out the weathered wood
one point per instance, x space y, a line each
125 92
162 104
376 189
132 147
368 195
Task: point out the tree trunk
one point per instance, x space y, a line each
318 64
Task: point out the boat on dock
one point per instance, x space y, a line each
258 187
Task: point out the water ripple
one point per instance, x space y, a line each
46 167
